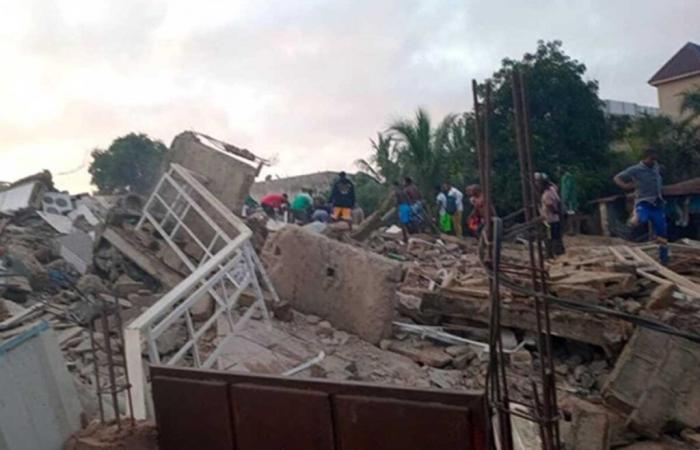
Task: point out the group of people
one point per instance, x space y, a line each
644 177
451 205
305 208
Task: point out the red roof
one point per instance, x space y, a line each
684 63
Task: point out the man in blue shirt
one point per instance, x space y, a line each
645 179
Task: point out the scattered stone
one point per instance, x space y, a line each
521 358
91 284
661 297
125 286
461 362
429 355
313 320
692 437
458 350
283 311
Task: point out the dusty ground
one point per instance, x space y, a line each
140 436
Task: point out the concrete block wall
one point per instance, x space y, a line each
352 288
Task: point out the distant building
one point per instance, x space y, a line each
319 182
680 74
618 108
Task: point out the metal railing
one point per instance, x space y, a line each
214 245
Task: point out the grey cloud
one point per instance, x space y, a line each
340 71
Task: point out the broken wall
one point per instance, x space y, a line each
352 288
226 176
655 383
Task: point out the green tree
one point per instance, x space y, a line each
131 162
382 164
568 128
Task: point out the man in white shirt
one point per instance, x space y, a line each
454 206
444 219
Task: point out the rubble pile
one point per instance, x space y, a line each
63 266
381 310
618 381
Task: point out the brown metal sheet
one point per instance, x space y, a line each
192 414
473 400
364 423
276 418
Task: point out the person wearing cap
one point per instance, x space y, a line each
649 205
343 198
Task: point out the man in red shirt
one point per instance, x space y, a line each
274 203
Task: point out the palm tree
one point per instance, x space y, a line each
382 164
422 150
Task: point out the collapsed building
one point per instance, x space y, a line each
248 335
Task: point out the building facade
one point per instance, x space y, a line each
680 74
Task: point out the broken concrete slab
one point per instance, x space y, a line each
225 171
609 334
145 261
76 249
353 288
654 383
21 196
592 426
428 355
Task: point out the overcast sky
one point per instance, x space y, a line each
307 81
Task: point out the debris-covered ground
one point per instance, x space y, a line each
411 314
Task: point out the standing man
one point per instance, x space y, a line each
455 206
415 199
645 179
343 199
477 217
551 211
403 207
444 219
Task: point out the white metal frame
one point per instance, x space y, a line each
222 275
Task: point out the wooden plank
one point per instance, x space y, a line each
148 263
669 274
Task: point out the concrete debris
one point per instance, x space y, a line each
352 288
654 383
377 309
76 249
141 435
